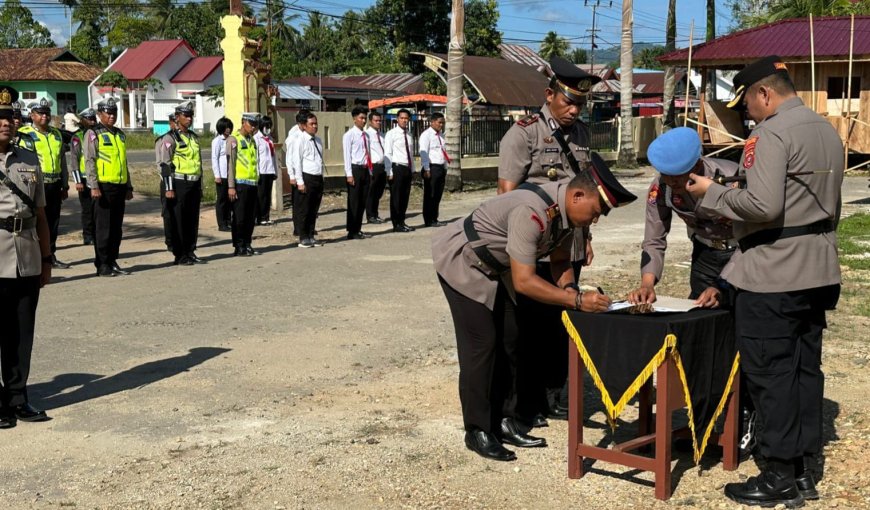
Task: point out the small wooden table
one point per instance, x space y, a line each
670 394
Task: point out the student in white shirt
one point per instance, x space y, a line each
358 171
308 154
434 158
267 168
290 159
223 209
399 166
379 174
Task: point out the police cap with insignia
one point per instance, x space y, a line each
108 106
253 118
675 152
611 192
88 113
185 108
570 80
41 106
8 97
751 74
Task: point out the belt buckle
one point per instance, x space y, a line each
719 244
17 225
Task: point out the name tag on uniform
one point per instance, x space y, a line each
26 170
581 149
549 150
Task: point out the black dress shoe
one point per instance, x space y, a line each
185 261
26 412
487 446
439 223
558 413
375 221
7 419
358 235
105 270
224 228
402 228
408 227
511 434
539 421
250 251
87 241
238 251
807 486
195 259
117 269
765 490
56 264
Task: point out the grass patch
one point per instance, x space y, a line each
853 236
146 181
140 141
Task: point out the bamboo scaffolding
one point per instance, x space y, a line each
689 73
726 133
723 149
813 65
859 165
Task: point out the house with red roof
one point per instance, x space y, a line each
182 76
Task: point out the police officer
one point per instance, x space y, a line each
167 137
485 261
47 142
25 265
76 165
242 183
180 161
106 166
786 273
551 146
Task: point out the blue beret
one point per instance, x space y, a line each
675 152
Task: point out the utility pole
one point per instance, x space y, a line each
455 79
595 4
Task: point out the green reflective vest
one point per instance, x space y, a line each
187 158
111 156
246 157
48 146
80 135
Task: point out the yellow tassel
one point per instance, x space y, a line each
734 367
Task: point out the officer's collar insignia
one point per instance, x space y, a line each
5 97
552 123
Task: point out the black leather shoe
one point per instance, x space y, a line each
105 270
375 221
117 269
408 227
439 223
251 251
224 228
7 419
765 490
26 412
510 434
402 228
238 251
56 264
358 235
748 441
539 421
195 259
558 413
487 446
807 486
87 241
185 261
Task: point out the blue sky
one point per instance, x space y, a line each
522 21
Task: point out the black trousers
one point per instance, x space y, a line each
53 201
183 215
376 190
223 209
87 204
108 222
264 196
165 208
433 188
356 198
400 193
244 214
306 206
779 337
486 341
707 265
18 300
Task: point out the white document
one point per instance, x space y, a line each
663 304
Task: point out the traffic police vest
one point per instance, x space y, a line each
111 156
48 146
80 135
187 157
246 158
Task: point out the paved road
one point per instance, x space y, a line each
144 157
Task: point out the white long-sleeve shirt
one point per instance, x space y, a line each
289 157
219 157
266 163
431 149
377 146
308 152
396 152
354 143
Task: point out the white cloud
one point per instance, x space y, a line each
59 34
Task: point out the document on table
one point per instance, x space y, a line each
663 304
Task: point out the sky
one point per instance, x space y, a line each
522 21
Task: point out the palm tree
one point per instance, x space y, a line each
553 46
670 45
626 158
455 72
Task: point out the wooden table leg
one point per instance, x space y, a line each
575 411
664 424
730 440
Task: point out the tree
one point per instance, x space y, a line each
482 36
553 46
670 45
579 56
199 25
648 57
18 29
113 80
751 13
626 158
711 34
455 73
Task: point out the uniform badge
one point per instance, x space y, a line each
540 222
92 136
552 174
167 144
653 196
749 152
549 139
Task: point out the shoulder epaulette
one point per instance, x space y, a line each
528 121
26 143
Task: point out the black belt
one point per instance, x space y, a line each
716 244
482 252
15 224
772 234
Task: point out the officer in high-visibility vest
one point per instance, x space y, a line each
180 163
106 166
47 142
75 162
242 181
169 136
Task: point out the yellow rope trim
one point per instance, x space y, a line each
688 401
734 367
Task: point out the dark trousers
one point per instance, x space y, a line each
53 201
108 222
244 214
183 215
433 188
165 213
223 209
486 341
356 198
400 193
306 206
376 190
87 204
264 196
707 264
779 337
18 300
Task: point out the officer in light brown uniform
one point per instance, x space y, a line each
484 261
25 265
786 273
548 147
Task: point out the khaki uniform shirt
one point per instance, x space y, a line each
19 253
793 139
512 226
663 202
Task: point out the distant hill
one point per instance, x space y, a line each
606 55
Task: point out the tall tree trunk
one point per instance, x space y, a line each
670 82
453 128
627 158
711 34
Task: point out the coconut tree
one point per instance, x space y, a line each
553 46
627 157
670 45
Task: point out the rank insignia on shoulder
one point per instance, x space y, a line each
540 222
749 152
653 196
528 121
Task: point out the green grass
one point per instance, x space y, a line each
140 141
147 182
853 236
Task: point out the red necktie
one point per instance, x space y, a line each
446 157
408 151
368 154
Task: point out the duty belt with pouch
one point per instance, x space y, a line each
15 224
716 244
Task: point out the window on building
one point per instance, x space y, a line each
64 100
28 96
837 87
